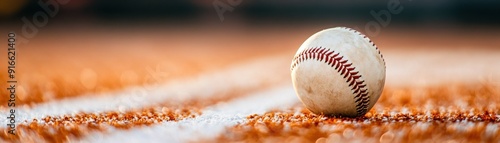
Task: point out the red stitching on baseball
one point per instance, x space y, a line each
358 87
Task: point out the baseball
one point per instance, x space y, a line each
339 72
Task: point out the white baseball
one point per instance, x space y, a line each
338 71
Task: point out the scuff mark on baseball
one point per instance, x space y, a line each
339 72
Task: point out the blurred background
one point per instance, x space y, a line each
415 12
451 16
445 17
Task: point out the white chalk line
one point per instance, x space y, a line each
212 123
246 75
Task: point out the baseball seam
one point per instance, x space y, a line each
346 69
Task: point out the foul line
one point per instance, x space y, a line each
213 121
247 75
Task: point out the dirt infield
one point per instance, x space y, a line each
393 120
